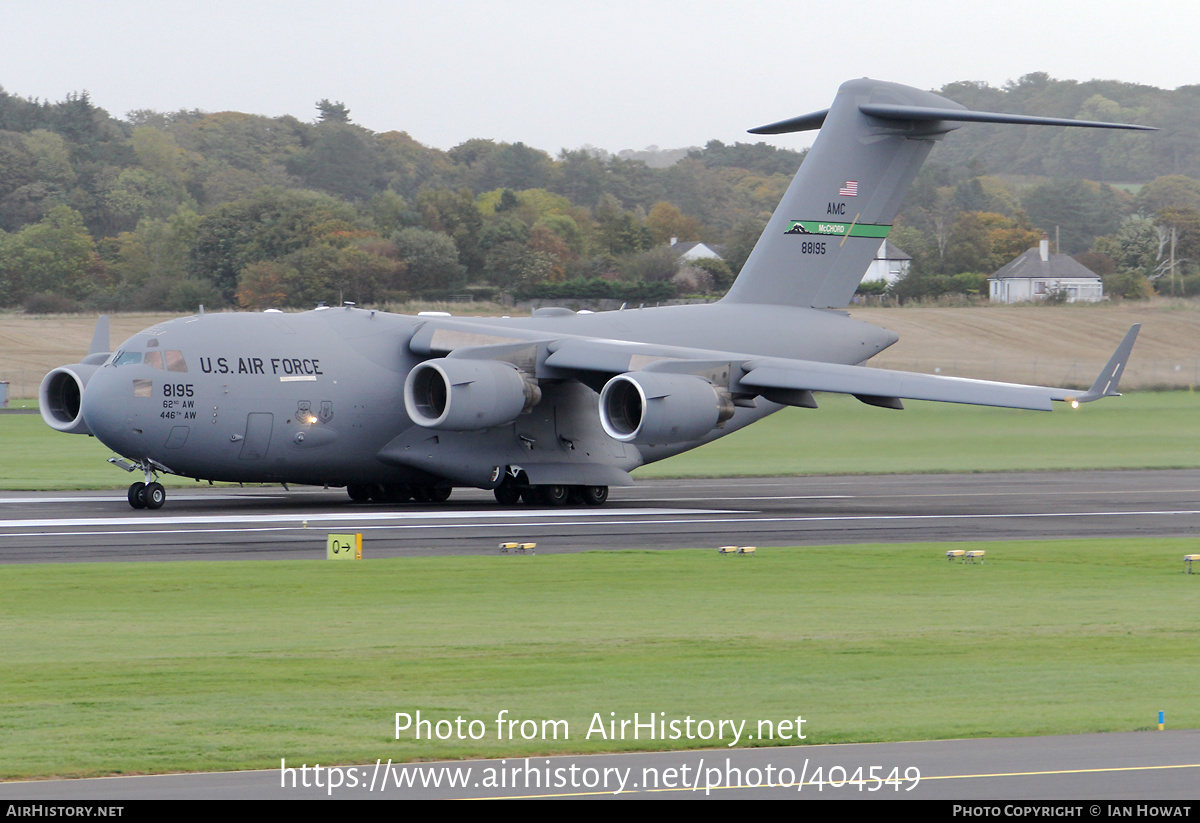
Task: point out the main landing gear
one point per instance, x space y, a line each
513 489
397 492
510 492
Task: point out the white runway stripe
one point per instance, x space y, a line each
360 516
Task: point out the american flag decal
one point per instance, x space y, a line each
849 189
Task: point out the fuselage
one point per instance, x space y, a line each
317 397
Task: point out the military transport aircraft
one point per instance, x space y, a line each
558 406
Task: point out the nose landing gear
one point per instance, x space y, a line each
144 495
147 495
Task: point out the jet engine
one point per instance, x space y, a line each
61 394
464 395
651 408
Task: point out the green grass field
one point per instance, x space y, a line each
146 667
1142 430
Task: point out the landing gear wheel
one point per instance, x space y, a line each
136 498
508 492
595 495
553 495
154 495
359 493
439 494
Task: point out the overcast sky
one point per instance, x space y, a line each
616 75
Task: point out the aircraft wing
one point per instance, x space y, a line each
790 381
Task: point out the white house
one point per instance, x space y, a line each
693 250
890 264
1037 273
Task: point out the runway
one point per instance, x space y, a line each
212 523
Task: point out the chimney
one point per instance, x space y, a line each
1044 249
674 240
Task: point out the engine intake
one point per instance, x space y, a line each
649 408
465 395
60 397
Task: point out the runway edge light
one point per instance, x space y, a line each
343 547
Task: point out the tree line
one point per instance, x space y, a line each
170 210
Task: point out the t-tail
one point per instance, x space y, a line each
841 204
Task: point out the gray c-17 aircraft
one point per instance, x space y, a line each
558 406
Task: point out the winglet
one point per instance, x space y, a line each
100 337
1110 377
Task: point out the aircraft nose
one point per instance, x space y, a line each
107 415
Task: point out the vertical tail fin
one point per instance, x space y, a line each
841 204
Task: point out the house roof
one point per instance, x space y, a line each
682 249
890 251
1031 266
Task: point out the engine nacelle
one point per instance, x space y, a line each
60 397
465 395
652 408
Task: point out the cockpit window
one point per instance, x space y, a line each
175 361
126 358
154 360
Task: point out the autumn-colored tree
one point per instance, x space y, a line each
266 284
985 241
666 222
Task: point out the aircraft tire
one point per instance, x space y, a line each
358 492
438 494
154 495
595 495
507 493
136 495
554 495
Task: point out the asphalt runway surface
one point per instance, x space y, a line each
213 523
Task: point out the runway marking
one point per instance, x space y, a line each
459 516
884 493
776 497
5 501
328 517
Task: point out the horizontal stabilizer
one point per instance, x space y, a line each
805 122
888 112
810 122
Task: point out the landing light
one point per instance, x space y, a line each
1074 403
